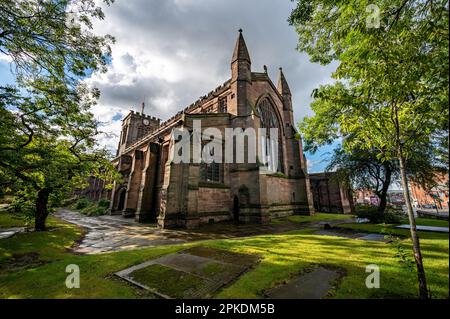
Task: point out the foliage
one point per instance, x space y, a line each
376 216
82 203
392 88
362 169
47 135
399 69
104 203
91 208
403 257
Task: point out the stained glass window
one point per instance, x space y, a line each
270 145
211 172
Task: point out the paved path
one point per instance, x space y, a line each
425 228
115 233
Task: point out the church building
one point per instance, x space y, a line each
155 188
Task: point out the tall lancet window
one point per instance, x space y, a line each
271 151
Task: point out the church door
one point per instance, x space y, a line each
236 209
122 194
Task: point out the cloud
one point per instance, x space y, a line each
169 53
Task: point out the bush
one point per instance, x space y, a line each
69 202
392 217
94 210
98 211
376 217
82 203
103 203
91 208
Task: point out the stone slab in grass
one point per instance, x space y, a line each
9 232
374 237
172 283
352 235
339 234
223 255
426 228
196 272
313 285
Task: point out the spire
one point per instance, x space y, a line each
283 87
240 50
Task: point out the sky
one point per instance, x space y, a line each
169 53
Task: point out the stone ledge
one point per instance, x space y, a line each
212 185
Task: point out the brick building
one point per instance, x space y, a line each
437 196
190 194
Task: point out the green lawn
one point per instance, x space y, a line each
283 256
11 220
430 222
314 218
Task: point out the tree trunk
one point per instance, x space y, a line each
423 290
384 190
41 209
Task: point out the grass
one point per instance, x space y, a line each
8 220
48 280
281 261
283 256
171 282
318 217
429 222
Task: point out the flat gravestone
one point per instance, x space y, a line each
196 272
338 234
426 228
9 232
313 285
373 237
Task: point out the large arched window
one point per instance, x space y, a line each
270 140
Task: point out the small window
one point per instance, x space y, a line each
212 172
223 105
124 134
140 132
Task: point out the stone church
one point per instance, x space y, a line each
188 195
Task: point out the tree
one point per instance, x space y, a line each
47 137
365 171
391 89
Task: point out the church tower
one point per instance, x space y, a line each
134 126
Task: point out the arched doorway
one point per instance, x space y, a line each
122 194
236 210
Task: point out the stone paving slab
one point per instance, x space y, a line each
9 232
339 234
186 275
359 236
313 285
373 237
426 228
